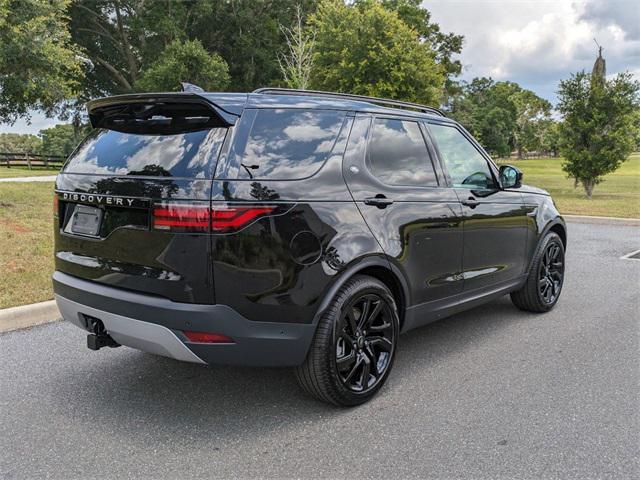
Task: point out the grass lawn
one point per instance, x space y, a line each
25 172
26 243
617 196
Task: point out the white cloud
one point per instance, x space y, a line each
538 43
624 14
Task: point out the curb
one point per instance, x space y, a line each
26 316
603 220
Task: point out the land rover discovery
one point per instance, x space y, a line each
290 228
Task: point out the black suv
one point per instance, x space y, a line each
290 228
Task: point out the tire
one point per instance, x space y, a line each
350 344
541 291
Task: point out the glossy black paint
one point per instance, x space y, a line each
258 270
129 254
495 234
439 249
415 230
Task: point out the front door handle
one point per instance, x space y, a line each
379 201
470 202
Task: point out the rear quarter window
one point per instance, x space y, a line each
107 152
281 144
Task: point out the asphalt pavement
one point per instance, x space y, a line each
491 393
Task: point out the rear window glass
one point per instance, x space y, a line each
106 152
283 144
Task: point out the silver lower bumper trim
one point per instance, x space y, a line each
130 332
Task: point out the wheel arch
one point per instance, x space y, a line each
560 229
557 226
376 267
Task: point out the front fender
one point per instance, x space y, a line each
544 219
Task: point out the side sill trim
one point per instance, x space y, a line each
424 313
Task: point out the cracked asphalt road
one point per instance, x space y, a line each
491 393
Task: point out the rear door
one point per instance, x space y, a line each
495 220
399 191
132 200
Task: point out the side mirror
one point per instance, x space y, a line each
510 177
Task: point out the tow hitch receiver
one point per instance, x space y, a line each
97 341
99 338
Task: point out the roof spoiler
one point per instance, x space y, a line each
158 113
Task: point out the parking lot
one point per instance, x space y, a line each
491 393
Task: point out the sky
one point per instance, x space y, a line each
538 43
534 43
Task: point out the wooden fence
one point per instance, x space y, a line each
30 160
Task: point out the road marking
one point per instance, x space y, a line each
631 256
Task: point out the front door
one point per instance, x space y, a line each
495 220
415 218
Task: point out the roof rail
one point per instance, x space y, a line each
364 98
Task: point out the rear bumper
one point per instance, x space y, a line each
155 325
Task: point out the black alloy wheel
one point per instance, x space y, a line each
551 273
543 285
352 351
365 342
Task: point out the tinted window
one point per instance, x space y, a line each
398 154
282 144
113 153
467 167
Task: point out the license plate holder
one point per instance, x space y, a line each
85 220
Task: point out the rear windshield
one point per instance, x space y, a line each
282 144
107 152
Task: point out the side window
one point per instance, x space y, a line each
398 154
466 166
284 144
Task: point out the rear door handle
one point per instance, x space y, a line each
379 201
470 202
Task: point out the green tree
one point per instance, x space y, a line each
485 108
247 35
123 38
39 65
502 115
530 111
19 143
550 141
445 45
600 127
185 62
62 139
367 49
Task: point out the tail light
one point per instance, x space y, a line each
177 217
204 337
233 218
